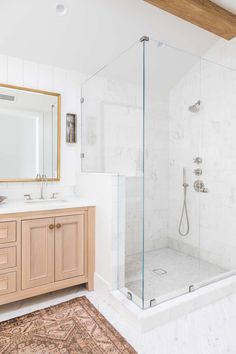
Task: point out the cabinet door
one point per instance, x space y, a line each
37 252
7 231
69 246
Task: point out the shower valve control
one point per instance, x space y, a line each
197 160
198 171
200 187
205 190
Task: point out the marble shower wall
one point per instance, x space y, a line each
156 170
184 145
210 133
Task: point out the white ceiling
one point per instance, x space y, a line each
227 4
92 32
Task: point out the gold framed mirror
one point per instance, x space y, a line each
30 134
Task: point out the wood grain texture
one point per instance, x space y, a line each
18 231
203 13
69 246
37 252
90 232
39 290
7 257
7 232
7 283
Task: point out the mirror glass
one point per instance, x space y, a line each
29 134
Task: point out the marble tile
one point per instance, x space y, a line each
210 133
181 271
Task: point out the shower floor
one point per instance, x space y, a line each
166 271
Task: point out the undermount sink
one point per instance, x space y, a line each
38 201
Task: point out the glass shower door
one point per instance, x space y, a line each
162 122
112 143
172 142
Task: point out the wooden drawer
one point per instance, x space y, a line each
7 231
7 283
7 257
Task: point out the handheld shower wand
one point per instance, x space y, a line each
184 208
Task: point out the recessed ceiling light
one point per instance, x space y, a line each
61 9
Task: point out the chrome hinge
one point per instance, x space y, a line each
191 288
129 295
144 39
82 156
153 302
82 100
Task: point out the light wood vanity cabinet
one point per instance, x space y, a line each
7 232
69 246
45 251
7 283
7 257
37 252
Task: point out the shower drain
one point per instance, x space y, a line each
159 271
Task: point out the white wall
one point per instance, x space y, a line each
16 71
102 190
92 33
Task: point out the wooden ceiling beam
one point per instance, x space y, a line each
203 13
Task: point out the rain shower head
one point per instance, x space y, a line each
195 107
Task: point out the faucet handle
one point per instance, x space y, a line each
28 196
198 160
205 190
54 195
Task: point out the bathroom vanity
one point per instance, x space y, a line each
45 244
45 247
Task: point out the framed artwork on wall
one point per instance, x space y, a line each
71 128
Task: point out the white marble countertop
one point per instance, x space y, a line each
20 206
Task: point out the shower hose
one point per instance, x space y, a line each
184 212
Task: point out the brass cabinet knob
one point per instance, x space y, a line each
58 226
51 226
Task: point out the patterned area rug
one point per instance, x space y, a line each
72 327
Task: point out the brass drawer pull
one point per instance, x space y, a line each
51 226
58 226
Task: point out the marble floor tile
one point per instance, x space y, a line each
180 271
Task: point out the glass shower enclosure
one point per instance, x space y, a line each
163 119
